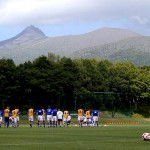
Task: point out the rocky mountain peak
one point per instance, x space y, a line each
32 31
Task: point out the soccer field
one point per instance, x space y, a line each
111 137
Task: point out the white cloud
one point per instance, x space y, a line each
51 12
41 11
138 19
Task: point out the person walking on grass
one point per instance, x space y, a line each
88 117
6 116
80 117
65 118
31 116
60 117
49 116
1 118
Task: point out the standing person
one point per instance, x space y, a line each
14 118
39 117
31 116
43 116
88 117
18 113
54 119
69 119
49 116
1 118
80 117
95 115
60 117
6 116
65 118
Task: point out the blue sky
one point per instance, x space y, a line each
66 17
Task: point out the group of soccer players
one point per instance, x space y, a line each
10 117
49 116
89 118
53 117
56 117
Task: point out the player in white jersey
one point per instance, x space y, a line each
60 117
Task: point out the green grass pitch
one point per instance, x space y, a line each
110 137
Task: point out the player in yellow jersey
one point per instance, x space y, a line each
88 117
65 117
43 116
80 117
6 116
30 116
18 113
14 118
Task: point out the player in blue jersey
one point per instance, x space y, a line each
1 118
39 117
95 115
54 119
49 116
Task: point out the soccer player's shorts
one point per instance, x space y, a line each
0 119
14 120
84 120
95 118
31 118
80 118
40 118
43 118
88 119
18 119
54 118
49 117
59 119
65 119
6 119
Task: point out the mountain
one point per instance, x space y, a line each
101 43
135 49
31 33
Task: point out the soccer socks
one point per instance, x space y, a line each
31 123
48 124
44 123
80 124
18 124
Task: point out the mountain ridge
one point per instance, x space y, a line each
32 43
31 32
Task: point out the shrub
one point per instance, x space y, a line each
136 115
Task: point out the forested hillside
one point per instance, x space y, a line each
66 83
135 50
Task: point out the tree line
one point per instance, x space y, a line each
67 84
